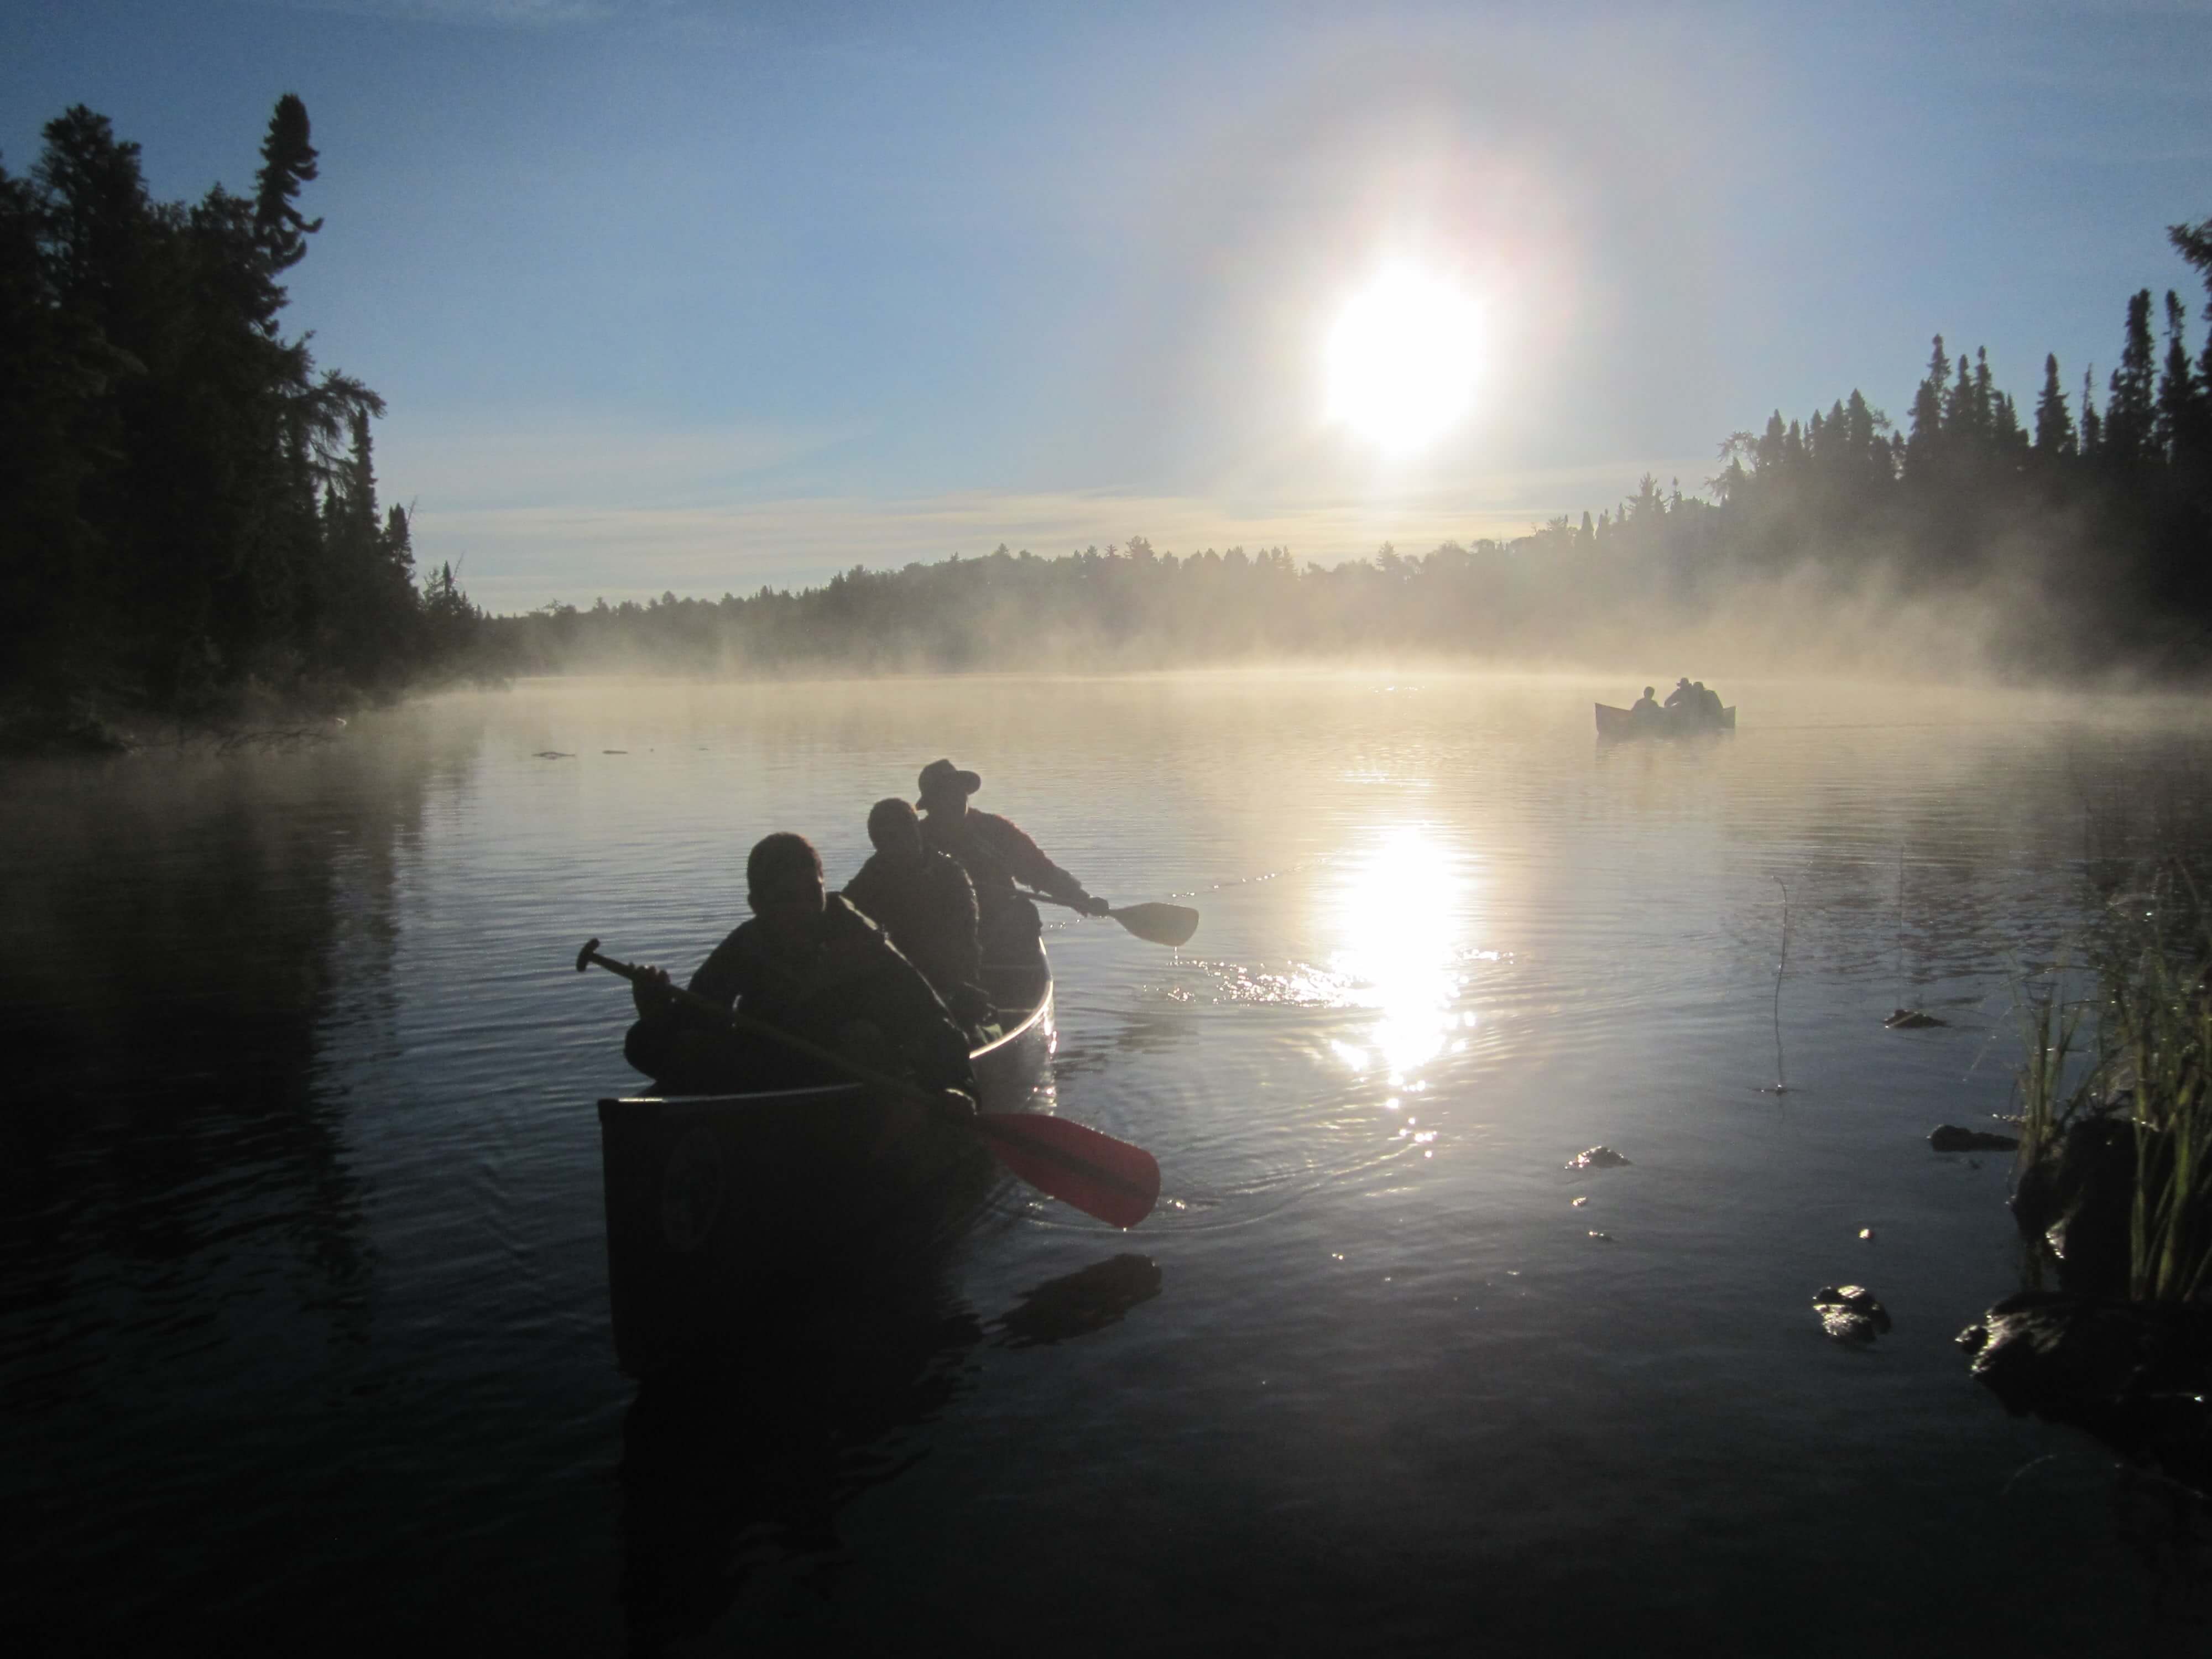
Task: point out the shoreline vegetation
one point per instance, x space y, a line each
2112 1193
191 536
2042 545
190 533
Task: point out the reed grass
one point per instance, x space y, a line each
2153 1063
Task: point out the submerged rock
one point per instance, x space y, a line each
2134 1374
1849 1313
2080 1202
1950 1138
1912 1020
1597 1158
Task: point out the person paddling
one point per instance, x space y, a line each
815 966
925 903
996 855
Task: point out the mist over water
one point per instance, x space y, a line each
303 1313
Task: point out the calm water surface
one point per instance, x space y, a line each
303 1311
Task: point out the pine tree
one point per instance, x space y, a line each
1768 454
2194 244
1961 422
2130 412
288 160
2180 397
2005 433
2093 428
1925 442
2054 425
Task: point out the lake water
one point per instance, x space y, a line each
303 1311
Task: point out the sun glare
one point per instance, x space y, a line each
1402 360
1400 920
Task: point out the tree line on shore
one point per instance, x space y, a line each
189 511
188 506
2079 535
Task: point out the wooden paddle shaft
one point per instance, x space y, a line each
1046 898
759 1028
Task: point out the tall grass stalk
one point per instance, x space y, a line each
2048 1027
2154 1047
2159 1016
1781 967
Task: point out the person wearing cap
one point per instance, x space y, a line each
815 966
1682 696
925 901
996 855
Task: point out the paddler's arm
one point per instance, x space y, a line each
919 1023
664 1041
1028 863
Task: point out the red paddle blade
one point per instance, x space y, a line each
1098 1174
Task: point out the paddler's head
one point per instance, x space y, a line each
945 788
783 884
893 829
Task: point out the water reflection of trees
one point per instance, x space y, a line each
183 930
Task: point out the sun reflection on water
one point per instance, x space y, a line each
1399 920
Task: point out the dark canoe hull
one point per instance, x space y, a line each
729 1213
1619 723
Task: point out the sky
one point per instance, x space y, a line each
689 296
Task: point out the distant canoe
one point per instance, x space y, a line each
1619 723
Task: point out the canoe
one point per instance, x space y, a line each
725 1211
1619 723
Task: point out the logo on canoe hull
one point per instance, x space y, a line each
692 1190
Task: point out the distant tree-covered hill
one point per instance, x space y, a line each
2069 539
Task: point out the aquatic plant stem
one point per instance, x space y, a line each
1900 924
1782 967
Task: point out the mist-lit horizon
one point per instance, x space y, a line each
663 300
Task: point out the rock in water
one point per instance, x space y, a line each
2080 1202
2137 1375
1849 1313
1597 1158
1912 1020
1950 1138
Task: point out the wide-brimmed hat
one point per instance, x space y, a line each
943 774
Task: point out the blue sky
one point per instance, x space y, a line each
669 294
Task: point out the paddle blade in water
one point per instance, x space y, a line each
1162 924
1098 1174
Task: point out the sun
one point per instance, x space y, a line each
1402 360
